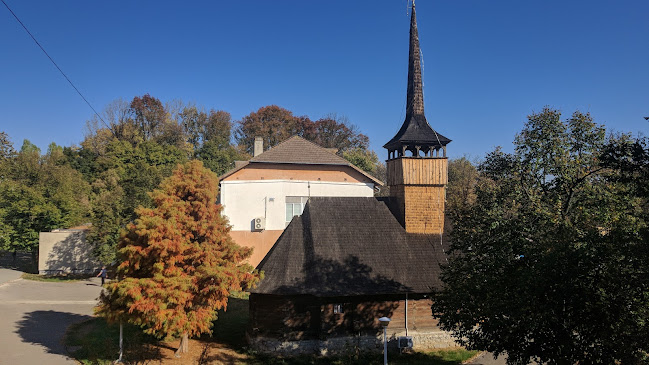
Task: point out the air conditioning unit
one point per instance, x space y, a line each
259 224
405 342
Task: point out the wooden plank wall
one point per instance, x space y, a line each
417 171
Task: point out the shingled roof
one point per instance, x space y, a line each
415 130
297 150
350 246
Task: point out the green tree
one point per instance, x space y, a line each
365 160
217 158
39 193
109 216
549 264
7 153
125 174
178 262
6 147
460 193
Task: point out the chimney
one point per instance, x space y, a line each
259 146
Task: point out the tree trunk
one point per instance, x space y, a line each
121 341
183 347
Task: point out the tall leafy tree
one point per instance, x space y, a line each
365 160
460 193
336 132
6 147
209 134
39 193
550 263
178 262
148 114
273 123
125 174
219 158
276 124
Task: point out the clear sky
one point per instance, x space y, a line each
487 63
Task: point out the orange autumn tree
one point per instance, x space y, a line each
178 262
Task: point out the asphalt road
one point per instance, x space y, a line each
35 316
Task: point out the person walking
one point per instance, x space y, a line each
103 273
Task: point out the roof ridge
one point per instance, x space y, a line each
297 137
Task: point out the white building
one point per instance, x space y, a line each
261 196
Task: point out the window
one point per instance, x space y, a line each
294 206
338 308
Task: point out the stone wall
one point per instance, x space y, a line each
349 344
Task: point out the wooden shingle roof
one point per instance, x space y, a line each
297 150
350 246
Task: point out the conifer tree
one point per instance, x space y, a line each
178 262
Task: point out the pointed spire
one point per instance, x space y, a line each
415 96
415 135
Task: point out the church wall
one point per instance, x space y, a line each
303 324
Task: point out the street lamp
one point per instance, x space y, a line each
385 321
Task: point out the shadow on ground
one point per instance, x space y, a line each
47 328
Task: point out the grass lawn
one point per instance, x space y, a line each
95 342
55 279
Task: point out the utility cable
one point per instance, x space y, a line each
57 66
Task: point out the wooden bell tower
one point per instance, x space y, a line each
417 166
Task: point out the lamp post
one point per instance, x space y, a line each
385 321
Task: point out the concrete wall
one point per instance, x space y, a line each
65 251
244 200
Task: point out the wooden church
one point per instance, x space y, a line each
345 262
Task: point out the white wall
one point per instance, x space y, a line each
244 200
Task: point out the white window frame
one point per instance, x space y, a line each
296 204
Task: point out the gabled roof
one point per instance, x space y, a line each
300 151
415 130
297 150
350 246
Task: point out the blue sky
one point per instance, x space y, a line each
487 64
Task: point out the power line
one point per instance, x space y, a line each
57 66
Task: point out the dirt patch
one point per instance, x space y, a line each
199 353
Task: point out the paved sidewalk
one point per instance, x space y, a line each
7 275
35 316
488 359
